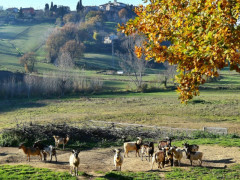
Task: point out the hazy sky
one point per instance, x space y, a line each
39 4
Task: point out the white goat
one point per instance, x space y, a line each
61 140
118 159
74 162
177 153
51 151
132 146
194 156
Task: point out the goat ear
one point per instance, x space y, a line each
73 151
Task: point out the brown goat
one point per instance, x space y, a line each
165 143
159 158
61 140
169 155
31 151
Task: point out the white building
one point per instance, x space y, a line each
111 6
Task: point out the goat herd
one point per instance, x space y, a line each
166 153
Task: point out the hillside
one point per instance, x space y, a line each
18 39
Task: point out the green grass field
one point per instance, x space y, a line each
177 173
28 172
215 108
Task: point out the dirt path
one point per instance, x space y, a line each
102 160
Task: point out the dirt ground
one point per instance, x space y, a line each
102 160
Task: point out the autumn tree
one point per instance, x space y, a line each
203 34
61 36
69 18
123 14
73 48
28 60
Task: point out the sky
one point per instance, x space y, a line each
39 4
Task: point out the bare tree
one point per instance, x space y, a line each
65 64
131 65
29 81
168 74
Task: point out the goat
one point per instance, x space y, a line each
148 150
159 158
169 155
132 146
165 143
177 153
31 151
191 148
194 156
61 140
118 159
50 150
74 162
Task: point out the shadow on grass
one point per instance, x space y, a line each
12 105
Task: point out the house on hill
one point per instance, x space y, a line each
28 12
112 6
12 10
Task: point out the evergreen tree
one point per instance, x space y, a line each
20 13
51 8
46 7
78 6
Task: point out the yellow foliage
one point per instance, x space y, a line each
203 34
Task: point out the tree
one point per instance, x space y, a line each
97 37
133 66
123 14
69 18
60 36
65 63
203 34
78 7
20 13
168 74
28 60
51 8
46 7
73 48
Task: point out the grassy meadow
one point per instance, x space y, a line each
211 108
28 172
